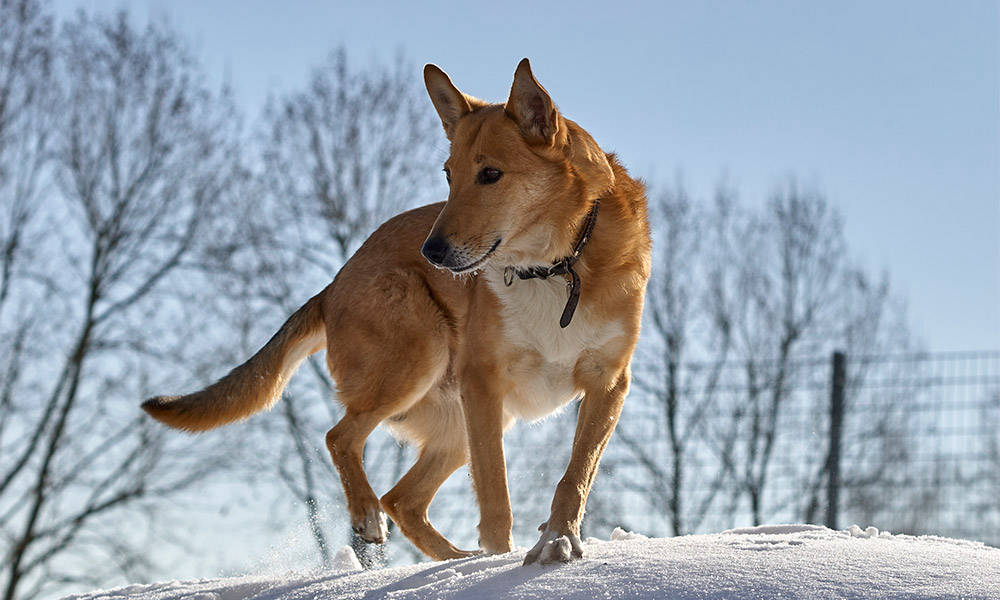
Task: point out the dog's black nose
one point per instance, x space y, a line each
435 249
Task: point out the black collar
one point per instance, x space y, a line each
563 266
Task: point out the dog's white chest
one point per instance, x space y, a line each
544 355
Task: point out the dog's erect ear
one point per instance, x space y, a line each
589 161
531 107
451 104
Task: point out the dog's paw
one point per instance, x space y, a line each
372 527
554 547
498 547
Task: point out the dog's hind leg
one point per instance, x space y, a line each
386 386
346 442
398 391
408 501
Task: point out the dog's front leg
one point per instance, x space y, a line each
599 411
482 401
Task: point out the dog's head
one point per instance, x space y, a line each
521 177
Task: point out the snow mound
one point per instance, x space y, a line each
778 529
346 560
620 534
775 561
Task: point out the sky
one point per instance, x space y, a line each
892 109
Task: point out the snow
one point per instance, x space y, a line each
774 561
346 560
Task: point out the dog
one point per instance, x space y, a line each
526 294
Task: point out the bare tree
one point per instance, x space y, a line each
801 252
671 308
25 96
802 297
139 154
25 106
738 299
868 324
691 305
352 148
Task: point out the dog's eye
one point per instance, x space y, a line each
447 174
489 175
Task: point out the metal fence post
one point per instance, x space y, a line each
837 380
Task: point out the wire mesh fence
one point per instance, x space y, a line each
714 446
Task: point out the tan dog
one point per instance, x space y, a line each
537 216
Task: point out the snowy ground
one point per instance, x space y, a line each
778 561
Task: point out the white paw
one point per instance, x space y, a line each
373 527
553 547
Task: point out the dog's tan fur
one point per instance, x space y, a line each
450 362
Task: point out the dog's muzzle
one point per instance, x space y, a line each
443 255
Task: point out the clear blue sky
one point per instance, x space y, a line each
891 108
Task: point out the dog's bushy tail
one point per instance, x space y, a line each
251 387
